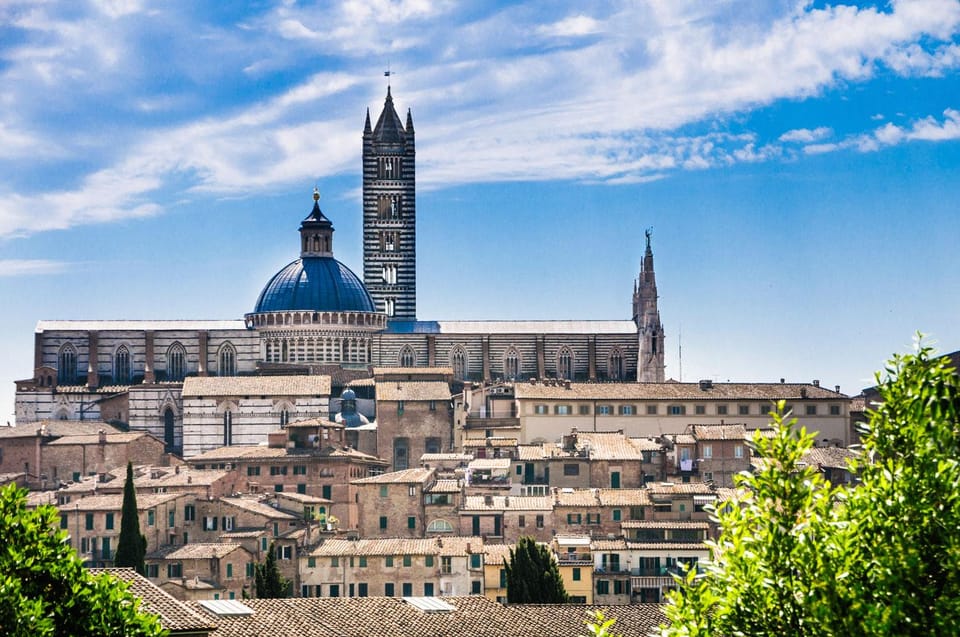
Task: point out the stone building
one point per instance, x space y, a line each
200 570
392 504
711 453
413 413
394 567
316 317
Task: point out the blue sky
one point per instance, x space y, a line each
798 163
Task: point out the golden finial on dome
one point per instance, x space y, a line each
316 194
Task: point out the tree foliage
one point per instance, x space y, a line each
799 556
132 545
269 582
44 588
532 575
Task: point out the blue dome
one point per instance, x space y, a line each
348 394
320 284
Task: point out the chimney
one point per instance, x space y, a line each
102 435
783 380
836 388
488 500
816 382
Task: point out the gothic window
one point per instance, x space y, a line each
121 365
458 361
176 362
388 242
615 365
388 168
440 526
390 273
407 357
390 306
565 364
168 431
227 428
67 365
228 360
388 207
511 363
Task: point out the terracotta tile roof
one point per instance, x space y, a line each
186 476
257 506
858 403
667 546
361 382
57 428
412 390
238 452
453 546
197 386
508 502
685 439
383 371
114 502
202 550
316 422
490 463
446 457
613 445
676 391
663 524
830 457
493 441
608 545
497 553
531 452
175 616
719 432
679 488
93 439
624 497
417 475
576 498
394 617
444 486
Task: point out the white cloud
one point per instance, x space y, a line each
27 267
572 26
806 135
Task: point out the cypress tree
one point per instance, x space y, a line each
533 576
269 582
132 545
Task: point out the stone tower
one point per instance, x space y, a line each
650 367
390 213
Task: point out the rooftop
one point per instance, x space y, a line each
410 390
175 616
401 546
676 391
417 475
199 386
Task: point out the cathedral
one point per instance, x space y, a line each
316 318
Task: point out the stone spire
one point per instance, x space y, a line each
646 314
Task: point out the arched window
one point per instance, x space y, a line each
168 430
228 360
458 361
227 428
439 526
565 364
511 363
67 365
407 357
176 362
121 365
615 365
390 306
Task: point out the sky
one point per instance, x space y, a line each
798 163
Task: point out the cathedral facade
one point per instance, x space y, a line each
316 317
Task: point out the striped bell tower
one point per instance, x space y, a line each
390 213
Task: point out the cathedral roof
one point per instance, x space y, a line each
389 128
320 284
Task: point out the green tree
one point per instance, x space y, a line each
799 556
532 575
269 582
132 545
44 589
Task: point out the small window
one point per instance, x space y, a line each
539 521
407 561
743 410
604 410
428 561
571 469
562 410
311 562
383 491
811 410
765 409
700 409
540 409
583 410
388 589
521 521
411 522
475 587
834 410
738 451
576 574
627 410
151 517
617 515
383 522
677 410
707 451
721 410
475 560
88 524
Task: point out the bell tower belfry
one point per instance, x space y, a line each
650 367
390 213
